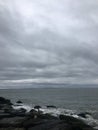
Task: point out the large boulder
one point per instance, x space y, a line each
19 102
5 101
75 123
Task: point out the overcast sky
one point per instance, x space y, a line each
48 41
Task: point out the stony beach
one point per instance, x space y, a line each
35 119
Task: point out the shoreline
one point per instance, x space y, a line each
36 119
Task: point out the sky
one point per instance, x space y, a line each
48 41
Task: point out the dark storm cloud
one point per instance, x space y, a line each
48 41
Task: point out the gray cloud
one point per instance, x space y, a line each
48 41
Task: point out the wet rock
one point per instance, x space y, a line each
51 106
7 108
4 115
12 122
33 113
20 102
75 123
19 119
4 101
37 107
30 122
84 115
12 128
47 116
18 112
51 125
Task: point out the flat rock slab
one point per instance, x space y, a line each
14 121
12 128
51 125
4 115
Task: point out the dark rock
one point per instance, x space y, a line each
33 113
30 122
4 115
51 125
47 116
37 107
12 119
7 108
5 101
84 115
12 128
12 122
51 106
20 102
18 112
23 110
75 123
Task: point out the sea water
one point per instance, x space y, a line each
67 100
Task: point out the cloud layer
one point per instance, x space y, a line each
48 41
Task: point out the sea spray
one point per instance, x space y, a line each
58 111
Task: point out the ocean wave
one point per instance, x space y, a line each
57 111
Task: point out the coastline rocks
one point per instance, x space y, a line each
4 101
44 122
47 116
18 112
12 122
51 125
75 123
20 119
33 113
12 128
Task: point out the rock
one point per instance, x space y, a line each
12 128
51 106
4 115
37 107
5 101
47 116
18 112
84 115
7 108
51 125
12 122
33 113
19 119
20 102
75 123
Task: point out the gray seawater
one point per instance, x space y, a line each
78 99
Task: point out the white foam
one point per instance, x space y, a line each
91 121
18 106
57 111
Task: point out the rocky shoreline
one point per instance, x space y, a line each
35 119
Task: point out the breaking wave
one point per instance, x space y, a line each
57 111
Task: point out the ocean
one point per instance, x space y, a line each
70 100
